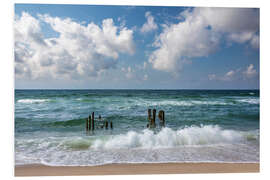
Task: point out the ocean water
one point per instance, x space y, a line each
201 126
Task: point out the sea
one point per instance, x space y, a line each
200 126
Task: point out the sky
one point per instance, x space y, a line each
135 47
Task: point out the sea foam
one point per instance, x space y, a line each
178 103
32 100
167 138
188 144
249 101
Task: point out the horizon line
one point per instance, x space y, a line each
128 89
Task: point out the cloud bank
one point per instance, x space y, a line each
78 50
200 33
249 73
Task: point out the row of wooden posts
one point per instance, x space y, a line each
90 121
152 120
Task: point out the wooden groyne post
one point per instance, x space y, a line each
90 123
111 125
93 121
87 123
161 116
154 118
151 120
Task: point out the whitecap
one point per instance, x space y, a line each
167 138
32 100
249 101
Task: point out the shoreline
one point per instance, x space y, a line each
136 168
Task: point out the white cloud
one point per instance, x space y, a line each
80 50
232 75
212 77
150 25
250 72
145 77
129 73
27 29
144 65
255 42
229 76
135 73
199 34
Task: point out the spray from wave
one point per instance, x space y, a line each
167 138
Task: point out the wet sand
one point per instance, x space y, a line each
133 169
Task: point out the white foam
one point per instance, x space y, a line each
249 101
190 144
179 103
32 100
166 138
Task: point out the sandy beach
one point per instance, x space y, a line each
133 169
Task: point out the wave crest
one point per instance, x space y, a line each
32 100
166 138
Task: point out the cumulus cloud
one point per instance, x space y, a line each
229 76
145 77
250 72
200 32
144 65
212 77
150 25
79 50
134 73
129 73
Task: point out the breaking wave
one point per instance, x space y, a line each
180 103
194 143
32 100
166 138
250 101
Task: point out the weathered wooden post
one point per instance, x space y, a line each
93 121
111 125
153 122
86 125
149 118
161 116
99 121
89 122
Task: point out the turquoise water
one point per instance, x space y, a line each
201 126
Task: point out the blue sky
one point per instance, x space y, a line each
86 46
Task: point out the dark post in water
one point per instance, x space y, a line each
111 125
86 125
93 121
106 124
153 122
161 116
149 118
